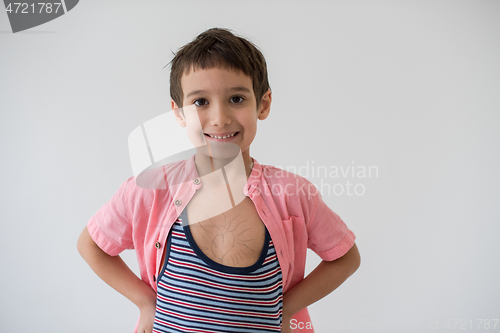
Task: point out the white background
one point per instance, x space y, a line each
411 87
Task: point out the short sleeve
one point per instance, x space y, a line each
328 235
111 226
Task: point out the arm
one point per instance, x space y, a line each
324 279
118 275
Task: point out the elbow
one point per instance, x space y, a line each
79 245
355 261
84 242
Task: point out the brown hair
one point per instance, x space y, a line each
220 48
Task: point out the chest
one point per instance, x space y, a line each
204 291
234 238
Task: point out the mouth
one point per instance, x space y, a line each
221 136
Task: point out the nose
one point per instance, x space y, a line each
219 116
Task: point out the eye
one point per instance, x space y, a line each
200 102
237 99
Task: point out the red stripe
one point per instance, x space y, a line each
221 274
211 309
222 286
185 329
211 297
181 249
178 234
220 322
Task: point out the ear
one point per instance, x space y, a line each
179 114
265 105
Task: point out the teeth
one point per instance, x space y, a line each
222 137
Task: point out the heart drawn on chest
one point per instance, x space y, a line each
222 244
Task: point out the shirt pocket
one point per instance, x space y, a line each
296 241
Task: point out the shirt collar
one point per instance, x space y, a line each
191 172
254 179
252 182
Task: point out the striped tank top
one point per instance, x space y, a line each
197 294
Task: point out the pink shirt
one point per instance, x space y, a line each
289 205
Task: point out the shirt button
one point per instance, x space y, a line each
197 181
157 245
177 202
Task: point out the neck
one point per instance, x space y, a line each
234 165
224 176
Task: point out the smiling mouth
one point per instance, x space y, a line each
221 137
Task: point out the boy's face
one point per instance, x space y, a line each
225 104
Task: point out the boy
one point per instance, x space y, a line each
240 269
